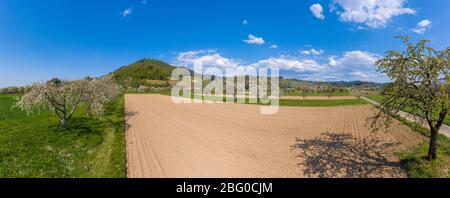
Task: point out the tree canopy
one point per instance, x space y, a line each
420 83
63 97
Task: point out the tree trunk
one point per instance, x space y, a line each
64 123
64 119
433 144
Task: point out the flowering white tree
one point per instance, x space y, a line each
63 98
98 92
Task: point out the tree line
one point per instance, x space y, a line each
14 90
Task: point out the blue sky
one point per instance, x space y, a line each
308 39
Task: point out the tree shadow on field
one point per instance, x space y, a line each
81 126
128 116
341 155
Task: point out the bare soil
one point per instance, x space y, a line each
233 140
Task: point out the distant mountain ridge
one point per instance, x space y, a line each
342 83
153 72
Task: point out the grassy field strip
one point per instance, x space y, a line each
286 97
293 102
378 98
345 93
445 129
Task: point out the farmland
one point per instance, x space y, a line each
35 146
234 140
295 101
315 134
342 93
321 103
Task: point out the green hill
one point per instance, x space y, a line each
146 72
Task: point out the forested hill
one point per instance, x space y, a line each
140 72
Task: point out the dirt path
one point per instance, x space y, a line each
232 140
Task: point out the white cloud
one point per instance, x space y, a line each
354 58
290 64
254 40
317 11
273 46
373 13
312 52
364 75
361 28
127 12
355 65
350 66
332 61
208 58
245 22
422 26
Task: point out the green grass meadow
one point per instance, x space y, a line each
342 93
375 97
414 161
322 103
35 146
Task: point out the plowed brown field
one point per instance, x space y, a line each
232 140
